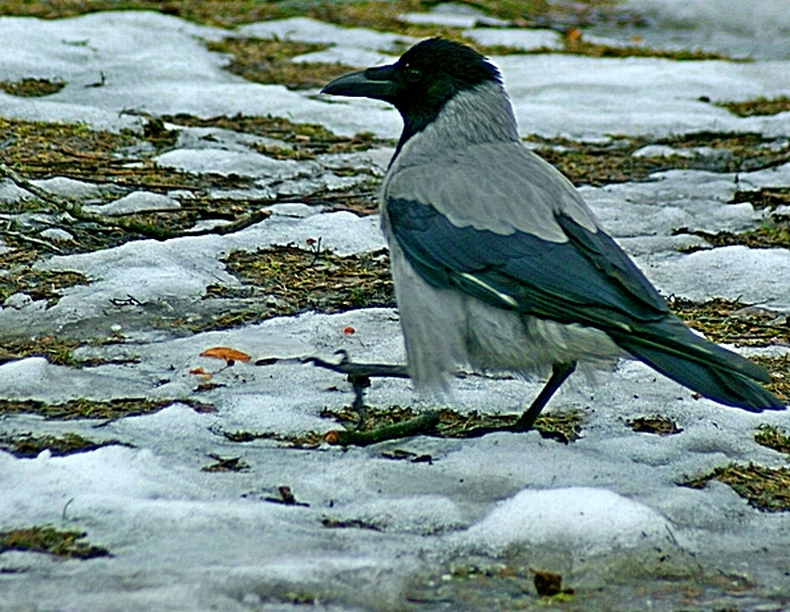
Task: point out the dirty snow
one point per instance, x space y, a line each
184 539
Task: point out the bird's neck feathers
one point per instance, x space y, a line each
479 115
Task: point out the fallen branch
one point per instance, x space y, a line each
421 424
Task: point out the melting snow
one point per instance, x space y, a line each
185 539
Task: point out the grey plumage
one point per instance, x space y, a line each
497 261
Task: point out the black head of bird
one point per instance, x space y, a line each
421 82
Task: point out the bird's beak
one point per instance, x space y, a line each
371 83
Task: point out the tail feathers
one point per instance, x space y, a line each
714 372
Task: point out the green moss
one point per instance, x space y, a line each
732 321
269 62
779 369
291 280
758 106
304 140
27 445
562 426
773 437
95 409
770 235
49 540
765 488
615 162
55 349
31 88
40 150
38 284
764 198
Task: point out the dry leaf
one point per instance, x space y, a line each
332 437
349 330
201 372
228 354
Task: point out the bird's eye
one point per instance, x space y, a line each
413 75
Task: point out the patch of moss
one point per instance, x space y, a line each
765 488
38 284
95 409
308 440
768 236
316 279
614 161
773 437
40 150
779 369
595 163
764 198
32 88
294 280
269 62
562 426
758 106
775 231
733 322
737 151
306 140
26 445
656 424
49 540
56 350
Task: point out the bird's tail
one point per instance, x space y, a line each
721 375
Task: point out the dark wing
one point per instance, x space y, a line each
587 279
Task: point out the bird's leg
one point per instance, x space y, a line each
359 375
559 373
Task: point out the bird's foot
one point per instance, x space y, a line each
359 375
526 422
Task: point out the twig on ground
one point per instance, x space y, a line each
31 240
129 225
421 424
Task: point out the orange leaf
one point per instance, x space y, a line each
201 372
349 330
332 437
573 35
226 353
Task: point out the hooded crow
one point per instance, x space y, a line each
498 263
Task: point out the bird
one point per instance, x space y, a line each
498 263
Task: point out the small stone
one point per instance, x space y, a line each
18 301
56 234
